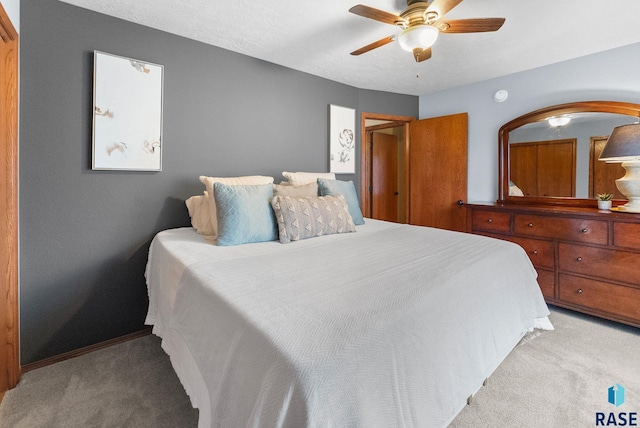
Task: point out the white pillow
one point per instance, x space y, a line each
302 178
198 207
231 181
310 189
515 190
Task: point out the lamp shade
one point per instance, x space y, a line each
418 37
623 144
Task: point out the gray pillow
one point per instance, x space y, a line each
306 217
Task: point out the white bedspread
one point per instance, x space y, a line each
391 326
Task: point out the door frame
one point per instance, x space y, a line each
9 321
366 155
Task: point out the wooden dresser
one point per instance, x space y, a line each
587 260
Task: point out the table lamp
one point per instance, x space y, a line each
623 146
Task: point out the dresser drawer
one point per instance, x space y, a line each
600 295
546 280
567 229
600 262
491 221
626 235
540 252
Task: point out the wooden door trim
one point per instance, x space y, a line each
365 154
9 321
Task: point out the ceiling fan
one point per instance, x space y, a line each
421 23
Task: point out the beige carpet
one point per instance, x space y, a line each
557 379
127 385
561 378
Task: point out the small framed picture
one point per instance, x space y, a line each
342 140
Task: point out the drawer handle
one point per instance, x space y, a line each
579 259
490 220
530 225
535 251
585 230
579 291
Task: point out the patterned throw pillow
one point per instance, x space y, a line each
231 181
244 214
306 217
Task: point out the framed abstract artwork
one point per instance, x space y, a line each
342 140
127 114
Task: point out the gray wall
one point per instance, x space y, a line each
84 234
610 75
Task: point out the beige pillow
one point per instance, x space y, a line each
287 189
301 178
231 181
306 217
198 207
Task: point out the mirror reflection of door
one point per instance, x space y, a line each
591 175
384 174
523 168
603 175
544 168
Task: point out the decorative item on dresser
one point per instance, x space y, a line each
604 201
587 259
624 146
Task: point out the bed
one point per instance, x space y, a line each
393 325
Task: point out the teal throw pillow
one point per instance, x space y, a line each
327 187
244 214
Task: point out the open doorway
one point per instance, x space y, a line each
384 171
431 169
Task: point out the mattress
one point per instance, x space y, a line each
393 325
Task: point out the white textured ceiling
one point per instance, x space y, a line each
317 36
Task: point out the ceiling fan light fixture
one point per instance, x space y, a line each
418 37
557 121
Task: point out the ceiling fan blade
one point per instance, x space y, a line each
423 55
374 45
441 7
377 14
477 25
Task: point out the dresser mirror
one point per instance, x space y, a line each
550 155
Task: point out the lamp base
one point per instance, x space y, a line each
625 209
629 185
